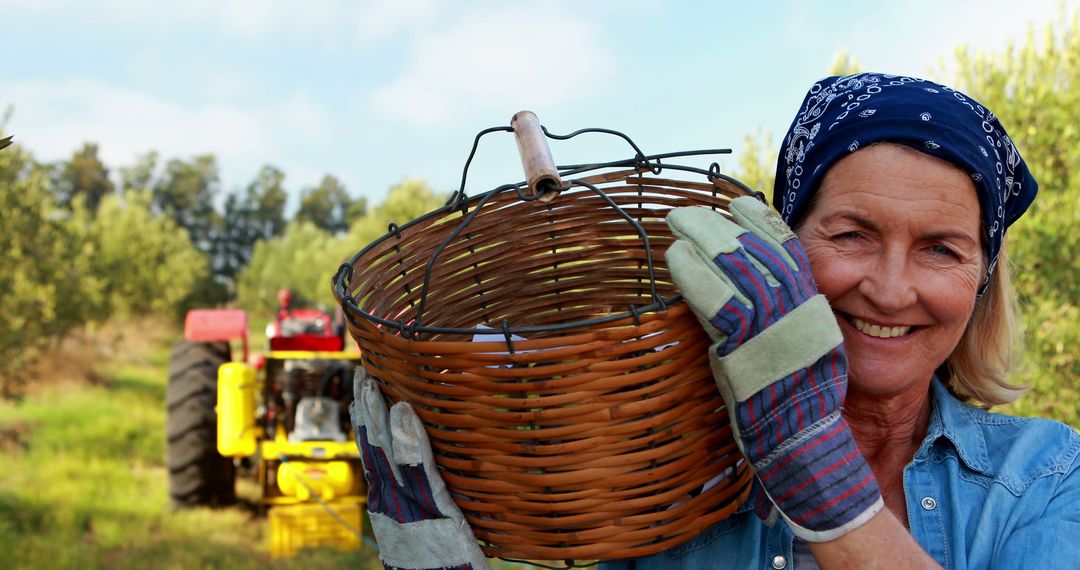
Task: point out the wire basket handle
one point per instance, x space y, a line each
541 175
528 131
543 184
658 301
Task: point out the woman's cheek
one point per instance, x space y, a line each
835 270
950 293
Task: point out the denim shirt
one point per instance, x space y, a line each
984 490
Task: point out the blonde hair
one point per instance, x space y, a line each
981 363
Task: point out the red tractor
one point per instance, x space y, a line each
284 412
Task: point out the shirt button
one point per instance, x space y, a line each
928 503
779 562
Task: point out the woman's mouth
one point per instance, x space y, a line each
878 331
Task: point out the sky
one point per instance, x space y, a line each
376 91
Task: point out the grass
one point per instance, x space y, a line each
83 480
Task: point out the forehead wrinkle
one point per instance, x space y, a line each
905 185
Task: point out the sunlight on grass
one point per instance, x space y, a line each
83 485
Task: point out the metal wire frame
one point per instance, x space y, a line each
459 201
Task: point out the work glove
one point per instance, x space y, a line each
778 360
414 519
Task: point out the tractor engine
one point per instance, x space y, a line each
307 398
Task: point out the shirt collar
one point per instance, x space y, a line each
952 420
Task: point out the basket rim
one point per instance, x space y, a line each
458 201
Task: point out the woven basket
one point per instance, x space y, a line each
588 427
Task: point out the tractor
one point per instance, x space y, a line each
281 415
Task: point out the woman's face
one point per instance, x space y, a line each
894 244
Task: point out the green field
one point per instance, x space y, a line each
83 481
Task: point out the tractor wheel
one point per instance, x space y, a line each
198 475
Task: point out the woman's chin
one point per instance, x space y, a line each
886 379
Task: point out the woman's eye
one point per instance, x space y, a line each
848 235
944 251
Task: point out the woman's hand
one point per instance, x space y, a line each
413 517
779 362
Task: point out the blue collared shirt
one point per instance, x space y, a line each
984 490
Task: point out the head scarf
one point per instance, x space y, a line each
840 115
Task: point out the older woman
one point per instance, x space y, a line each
899 191
858 353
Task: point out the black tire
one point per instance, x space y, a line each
198 475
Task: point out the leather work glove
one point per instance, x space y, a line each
778 359
414 519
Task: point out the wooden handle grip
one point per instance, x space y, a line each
540 172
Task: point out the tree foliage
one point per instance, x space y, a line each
295 261
69 265
140 176
306 256
186 192
756 164
844 63
31 230
329 206
408 200
84 176
1034 88
265 202
166 267
252 216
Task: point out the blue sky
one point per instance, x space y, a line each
375 91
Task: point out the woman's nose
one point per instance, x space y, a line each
889 285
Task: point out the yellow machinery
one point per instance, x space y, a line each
286 413
311 486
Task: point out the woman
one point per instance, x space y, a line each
855 358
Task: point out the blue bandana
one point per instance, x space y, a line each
843 114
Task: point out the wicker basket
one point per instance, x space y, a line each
589 426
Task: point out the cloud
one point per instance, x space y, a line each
516 57
381 19
299 115
195 76
262 19
54 118
326 21
245 19
921 41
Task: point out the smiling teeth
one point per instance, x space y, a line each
878 330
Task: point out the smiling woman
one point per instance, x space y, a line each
893 240
900 191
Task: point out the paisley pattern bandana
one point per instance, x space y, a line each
840 115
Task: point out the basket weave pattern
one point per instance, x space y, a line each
580 441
